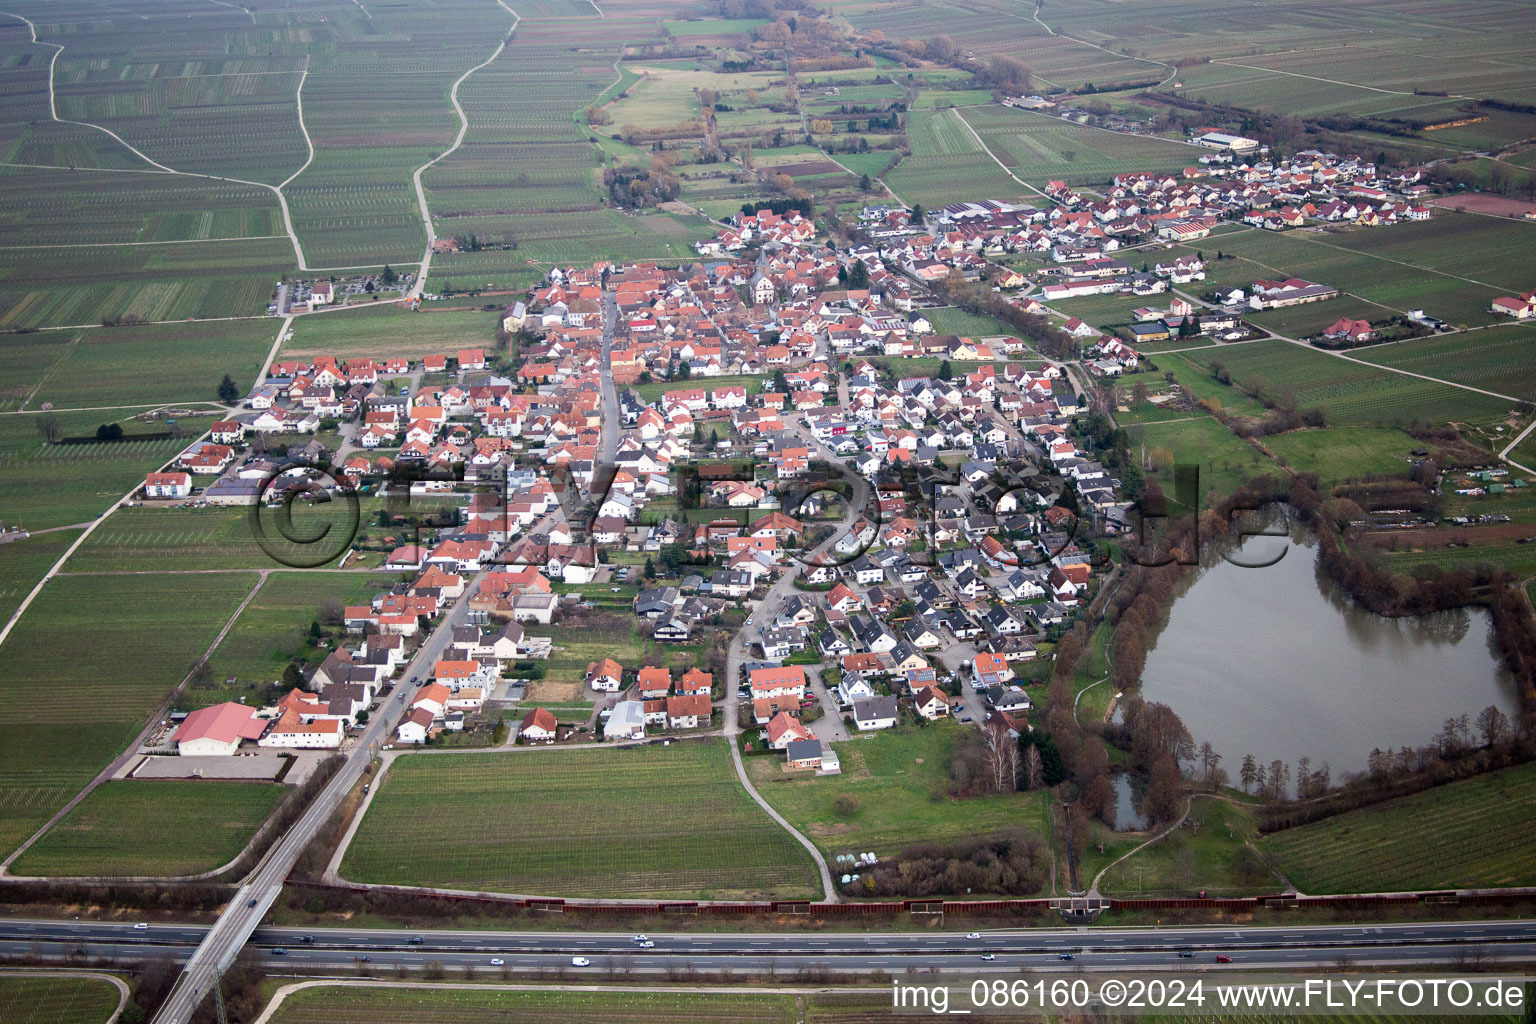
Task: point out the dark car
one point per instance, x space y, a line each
306 939
252 903
1185 954
1066 956
279 951
417 940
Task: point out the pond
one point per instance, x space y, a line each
1128 791
1277 662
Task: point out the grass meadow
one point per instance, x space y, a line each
169 827
899 781
664 822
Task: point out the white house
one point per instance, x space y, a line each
167 485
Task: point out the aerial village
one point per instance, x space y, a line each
770 444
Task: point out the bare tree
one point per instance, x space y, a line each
1034 768
48 428
1002 762
1494 725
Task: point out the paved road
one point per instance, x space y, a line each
1127 948
224 940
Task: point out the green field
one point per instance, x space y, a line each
1341 453
947 164
1501 359
154 828
1357 261
1225 461
151 539
388 330
56 999
1351 393
79 286
1041 148
653 391
23 562
1476 833
47 485
104 651
970 325
471 1006
665 822
142 365
899 780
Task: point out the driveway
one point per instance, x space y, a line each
829 728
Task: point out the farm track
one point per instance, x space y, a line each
421 193
985 149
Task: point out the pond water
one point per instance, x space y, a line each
1128 790
1277 662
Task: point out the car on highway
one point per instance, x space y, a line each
1066 956
647 944
141 927
973 935
1222 958
989 956
1185 954
416 940
363 959
306 939
497 961
252 903
642 937
580 961
279 951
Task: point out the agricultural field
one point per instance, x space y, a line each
639 822
56 999
1351 392
892 776
1469 834
47 485
100 207
81 286
1501 359
1041 148
948 320
152 539
388 329
947 164
122 659
180 363
1398 283
24 561
163 828
1314 318
442 1005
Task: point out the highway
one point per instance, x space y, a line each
1298 946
